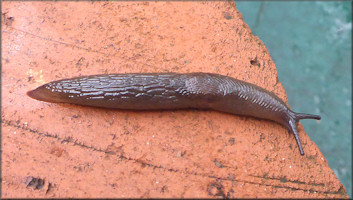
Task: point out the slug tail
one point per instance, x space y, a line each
293 129
42 93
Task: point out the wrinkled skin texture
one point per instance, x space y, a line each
157 91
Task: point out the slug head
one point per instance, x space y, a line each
292 125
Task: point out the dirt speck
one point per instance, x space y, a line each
36 183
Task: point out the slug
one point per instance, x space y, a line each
156 91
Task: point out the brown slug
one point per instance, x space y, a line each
152 91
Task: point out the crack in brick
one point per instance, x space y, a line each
290 181
55 41
18 125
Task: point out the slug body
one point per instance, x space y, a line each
156 91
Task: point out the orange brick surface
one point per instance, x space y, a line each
77 151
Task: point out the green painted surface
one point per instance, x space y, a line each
311 44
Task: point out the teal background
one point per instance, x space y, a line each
311 45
